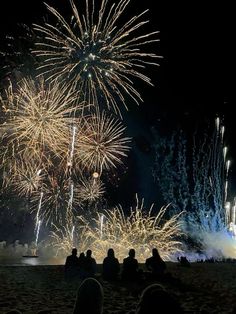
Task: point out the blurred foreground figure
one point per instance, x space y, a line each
89 298
155 299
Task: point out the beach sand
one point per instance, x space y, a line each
202 288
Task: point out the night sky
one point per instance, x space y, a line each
189 84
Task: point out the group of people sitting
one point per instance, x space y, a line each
85 266
90 293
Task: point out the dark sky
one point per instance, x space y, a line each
192 81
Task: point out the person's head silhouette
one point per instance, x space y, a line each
132 253
155 252
74 251
89 253
110 253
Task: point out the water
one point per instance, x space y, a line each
29 261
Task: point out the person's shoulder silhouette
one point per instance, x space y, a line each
72 260
130 266
90 265
155 263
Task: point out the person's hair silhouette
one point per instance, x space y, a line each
89 298
155 299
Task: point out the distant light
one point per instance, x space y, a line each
95 175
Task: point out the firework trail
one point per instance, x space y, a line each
37 232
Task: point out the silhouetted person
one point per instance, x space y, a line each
90 265
155 299
72 265
110 266
81 266
184 261
130 267
155 264
89 298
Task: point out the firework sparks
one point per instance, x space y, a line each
16 59
56 200
102 143
90 190
62 239
27 179
140 230
95 53
37 119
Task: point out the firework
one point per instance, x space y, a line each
101 144
139 230
37 119
27 179
57 199
95 53
62 239
90 190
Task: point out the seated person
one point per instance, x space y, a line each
81 261
155 264
130 267
110 266
72 265
184 261
90 265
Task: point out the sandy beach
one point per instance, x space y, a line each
202 288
